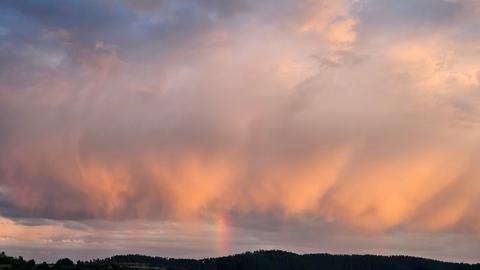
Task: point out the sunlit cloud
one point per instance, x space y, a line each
221 126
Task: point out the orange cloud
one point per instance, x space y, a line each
303 116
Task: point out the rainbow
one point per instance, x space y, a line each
222 235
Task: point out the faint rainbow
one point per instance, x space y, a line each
223 234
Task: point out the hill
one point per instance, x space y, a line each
258 260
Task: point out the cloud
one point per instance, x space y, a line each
311 117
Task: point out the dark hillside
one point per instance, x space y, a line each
258 260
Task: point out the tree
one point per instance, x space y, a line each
80 265
18 263
43 266
30 265
65 263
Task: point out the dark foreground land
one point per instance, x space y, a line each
258 260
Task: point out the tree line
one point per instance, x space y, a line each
258 260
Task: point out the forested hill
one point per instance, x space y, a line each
281 260
258 260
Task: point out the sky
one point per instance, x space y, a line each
210 127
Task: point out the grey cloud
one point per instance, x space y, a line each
409 18
429 12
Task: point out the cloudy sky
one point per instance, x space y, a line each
209 127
